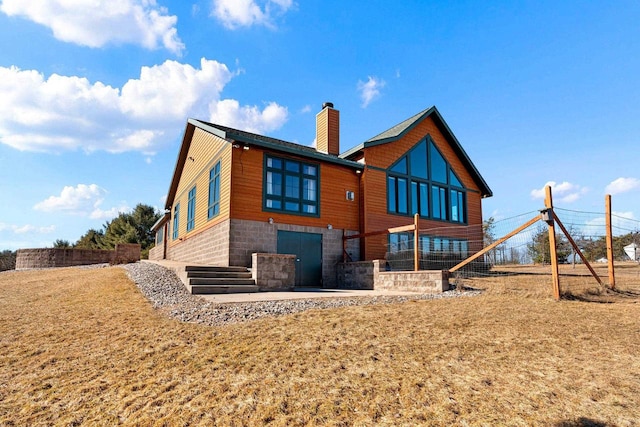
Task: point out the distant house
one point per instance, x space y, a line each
234 193
632 250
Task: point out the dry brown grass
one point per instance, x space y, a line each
84 347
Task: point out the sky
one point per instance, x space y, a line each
95 94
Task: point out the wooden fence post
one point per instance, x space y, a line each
416 241
607 218
548 202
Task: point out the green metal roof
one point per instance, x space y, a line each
238 136
272 143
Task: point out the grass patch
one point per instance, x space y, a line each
84 347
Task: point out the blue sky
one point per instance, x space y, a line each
94 95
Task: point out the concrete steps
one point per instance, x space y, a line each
202 280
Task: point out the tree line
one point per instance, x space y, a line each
132 227
537 249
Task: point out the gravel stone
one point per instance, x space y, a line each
166 292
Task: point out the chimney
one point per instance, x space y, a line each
328 130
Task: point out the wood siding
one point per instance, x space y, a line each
375 190
334 182
328 131
205 150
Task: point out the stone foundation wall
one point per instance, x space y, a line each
248 237
156 253
69 257
274 272
210 247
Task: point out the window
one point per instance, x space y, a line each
159 235
429 244
439 202
176 220
422 182
400 242
457 206
191 209
291 186
214 191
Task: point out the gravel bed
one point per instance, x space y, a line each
166 292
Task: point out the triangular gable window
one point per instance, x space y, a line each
400 166
453 179
423 182
438 165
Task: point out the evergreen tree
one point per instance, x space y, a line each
133 227
59 243
7 260
539 250
92 239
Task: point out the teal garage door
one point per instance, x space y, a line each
307 247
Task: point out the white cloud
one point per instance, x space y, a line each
75 200
109 213
69 113
565 192
228 112
306 109
96 23
619 224
245 13
622 185
370 90
27 228
82 200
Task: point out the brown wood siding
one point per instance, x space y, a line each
205 150
328 131
335 180
375 190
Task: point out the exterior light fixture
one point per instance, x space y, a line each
270 220
329 227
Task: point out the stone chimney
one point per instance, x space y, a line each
328 130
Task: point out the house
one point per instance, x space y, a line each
235 193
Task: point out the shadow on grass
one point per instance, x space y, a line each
582 422
602 295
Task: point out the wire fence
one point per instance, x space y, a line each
523 262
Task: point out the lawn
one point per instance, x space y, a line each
83 347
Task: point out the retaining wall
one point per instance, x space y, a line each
373 275
68 257
274 272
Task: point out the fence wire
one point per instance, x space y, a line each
522 263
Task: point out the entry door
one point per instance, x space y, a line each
307 247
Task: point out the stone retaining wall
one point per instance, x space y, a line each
274 272
373 275
355 275
68 257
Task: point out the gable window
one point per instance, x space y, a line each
214 191
291 186
191 209
176 220
422 182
